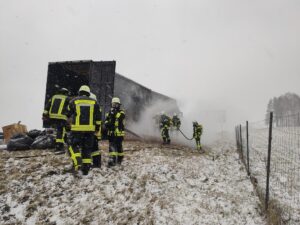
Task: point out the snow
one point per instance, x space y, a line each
284 171
154 185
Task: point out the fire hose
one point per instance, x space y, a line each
186 136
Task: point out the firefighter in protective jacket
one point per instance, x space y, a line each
115 126
84 116
56 111
197 132
176 121
165 124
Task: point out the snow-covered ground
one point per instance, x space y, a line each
155 185
284 171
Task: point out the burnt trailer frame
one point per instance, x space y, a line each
105 83
136 97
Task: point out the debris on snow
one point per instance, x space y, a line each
154 185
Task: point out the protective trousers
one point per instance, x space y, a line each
60 126
165 135
197 139
80 150
116 153
96 154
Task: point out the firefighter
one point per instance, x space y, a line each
165 124
176 122
56 111
96 152
84 118
115 126
197 132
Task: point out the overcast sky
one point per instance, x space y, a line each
231 55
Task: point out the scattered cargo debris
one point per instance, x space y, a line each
19 142
12 129
34 139
34 133
44 142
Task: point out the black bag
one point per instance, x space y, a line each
21 143
18 135
34 133
43 142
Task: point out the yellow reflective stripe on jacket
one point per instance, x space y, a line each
113 153
117 118
85 101
77 126
116 122
92 114
83 127
95 153
59 114
120 154
119 133
55 116
61 105
59 140
87 161
78 154
77 115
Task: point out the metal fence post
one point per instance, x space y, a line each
241 141
236 138
247 138
269 161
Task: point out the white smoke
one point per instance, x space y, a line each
214 122
146 126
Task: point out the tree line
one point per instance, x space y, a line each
286 110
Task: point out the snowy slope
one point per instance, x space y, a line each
155 185
284 171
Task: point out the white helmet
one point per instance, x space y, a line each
162 113
175 114
93 96
115 100
84 88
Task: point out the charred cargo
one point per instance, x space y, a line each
105 83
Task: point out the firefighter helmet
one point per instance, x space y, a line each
84 88
115 100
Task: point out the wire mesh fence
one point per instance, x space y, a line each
279 141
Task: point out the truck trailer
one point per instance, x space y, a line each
105 83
